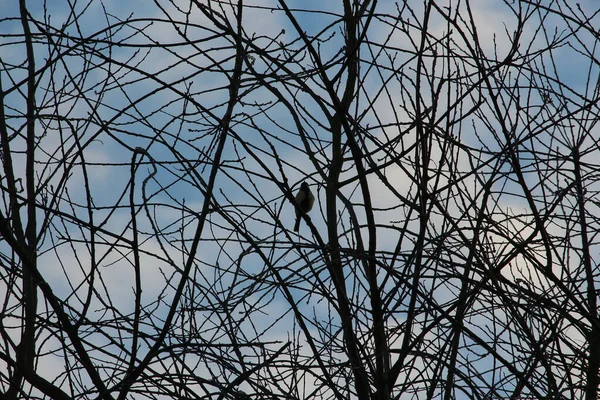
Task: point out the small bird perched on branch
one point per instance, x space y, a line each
305 201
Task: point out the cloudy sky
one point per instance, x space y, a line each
150 91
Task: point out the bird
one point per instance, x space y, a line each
304 203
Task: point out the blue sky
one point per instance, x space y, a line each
165 134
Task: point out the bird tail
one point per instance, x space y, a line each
297 225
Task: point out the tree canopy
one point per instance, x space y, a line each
150 158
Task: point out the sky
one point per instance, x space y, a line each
199 89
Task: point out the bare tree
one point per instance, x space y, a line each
150 161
